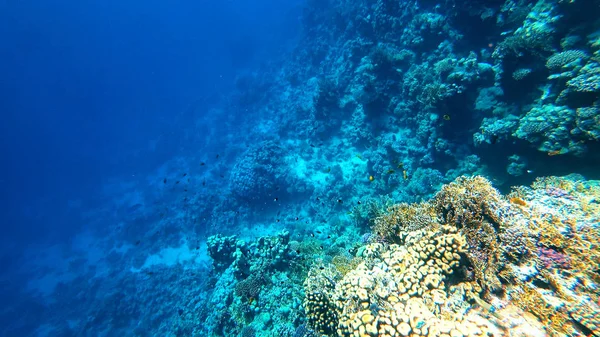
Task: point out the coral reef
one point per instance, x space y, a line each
258 173
264 294
222 249
471 262
340 189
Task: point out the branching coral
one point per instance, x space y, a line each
403 217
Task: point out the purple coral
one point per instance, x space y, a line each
557 192
366 238
551 258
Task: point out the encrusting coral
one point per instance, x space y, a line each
470 262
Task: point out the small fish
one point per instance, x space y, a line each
321 267
358 202
298 251
530 171
202 163
328 169
318 199
371 178
400 165
554 153
329 236
391 171
165 181
359 156
312 145
137 243
275 199
185 174
217 157
405 175
297 218
203 182
177 182
321 247
318 232
312 235
277 220
340 201
446 117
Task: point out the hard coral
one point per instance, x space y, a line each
249 289
221 249
469 244
403 217
400 293
318 303
258 172
564 59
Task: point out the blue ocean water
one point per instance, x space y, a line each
300 168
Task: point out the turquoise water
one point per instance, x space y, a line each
306 168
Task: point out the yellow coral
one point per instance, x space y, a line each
402 293
443 260
344 264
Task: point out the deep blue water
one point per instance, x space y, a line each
88 86
176 168
99 90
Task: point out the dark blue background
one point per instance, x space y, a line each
87 84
